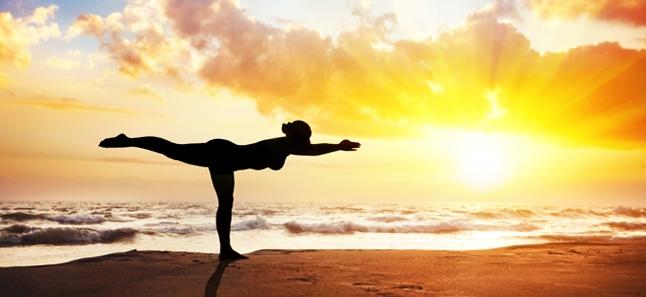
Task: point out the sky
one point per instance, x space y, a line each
516 101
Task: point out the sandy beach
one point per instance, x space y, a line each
556 269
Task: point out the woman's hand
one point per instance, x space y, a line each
347 145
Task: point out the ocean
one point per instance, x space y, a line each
35 233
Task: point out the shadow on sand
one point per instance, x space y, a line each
212 285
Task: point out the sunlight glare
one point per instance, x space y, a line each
481 160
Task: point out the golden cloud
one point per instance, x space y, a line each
67 104
137 40
18 34
146 90
483 74
91 24
626 11
72 59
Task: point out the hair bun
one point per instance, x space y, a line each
298 130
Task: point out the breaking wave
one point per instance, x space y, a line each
18 229
75 219
631 212
138 215
581 238
627 226
17 235
177 230
345 227
21 216
388 219
503 213
257 223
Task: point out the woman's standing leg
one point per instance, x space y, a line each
224 184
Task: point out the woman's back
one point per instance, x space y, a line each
268 153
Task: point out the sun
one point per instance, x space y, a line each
481 160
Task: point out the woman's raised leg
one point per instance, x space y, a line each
223 182
197 154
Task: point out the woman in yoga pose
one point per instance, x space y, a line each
223 157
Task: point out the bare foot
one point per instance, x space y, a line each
120 140
231 255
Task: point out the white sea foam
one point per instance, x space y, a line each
76 219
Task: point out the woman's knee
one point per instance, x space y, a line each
225 204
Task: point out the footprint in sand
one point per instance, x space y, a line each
409 287
368 287
378 290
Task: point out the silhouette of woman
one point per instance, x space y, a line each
224 157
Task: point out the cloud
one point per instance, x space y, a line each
72 59
497 9
632 12
297 70
77 157
65 103
86 23
148 91
483 74
4 81
63 63
137 40
18 34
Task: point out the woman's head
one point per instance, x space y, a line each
298 131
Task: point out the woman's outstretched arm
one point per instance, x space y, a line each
324 148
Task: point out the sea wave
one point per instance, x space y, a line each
138 215
74 219
25 235
18 229
341 209
177 230
21 216
631 212
626 226
485 215
578 212
388 219
77 219
502 213
517 212
587 238
253 224
345 227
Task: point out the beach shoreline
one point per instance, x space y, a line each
608 268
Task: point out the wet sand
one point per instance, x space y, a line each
556 269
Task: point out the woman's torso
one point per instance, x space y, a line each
269 153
